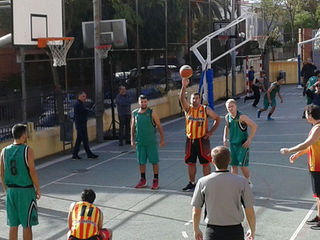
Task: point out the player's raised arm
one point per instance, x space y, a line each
182 95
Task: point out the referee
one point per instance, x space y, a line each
223 194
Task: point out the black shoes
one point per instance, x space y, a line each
313 221
189 188
76 157
93 156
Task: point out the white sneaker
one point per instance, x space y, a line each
250 184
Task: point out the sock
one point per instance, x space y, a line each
193 182
156 176
143 175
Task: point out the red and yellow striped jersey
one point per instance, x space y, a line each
196 122
314 155
85 219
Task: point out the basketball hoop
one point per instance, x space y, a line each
103 50
223 40
261 40
59 48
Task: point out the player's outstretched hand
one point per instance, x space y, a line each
293 157
284 150
185 82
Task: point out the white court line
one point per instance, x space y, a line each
295 234
124 187
44 165
184 234
71 174
188 223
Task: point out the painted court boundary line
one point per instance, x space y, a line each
295 234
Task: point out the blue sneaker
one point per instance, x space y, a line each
270 119
258 114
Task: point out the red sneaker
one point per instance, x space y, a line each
142 183
155 184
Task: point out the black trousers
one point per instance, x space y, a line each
233 232
124 128
256 95
82 136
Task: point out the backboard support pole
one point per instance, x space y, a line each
23 86
98 72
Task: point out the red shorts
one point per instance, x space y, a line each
104 234
197 148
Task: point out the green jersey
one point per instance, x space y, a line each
273 92
16 171
145 127
311 81
237 132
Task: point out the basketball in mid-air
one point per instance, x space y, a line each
185 71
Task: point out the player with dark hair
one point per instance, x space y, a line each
20 183
197 140
270 98
144 122
85 220
310 146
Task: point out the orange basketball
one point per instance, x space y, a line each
185 71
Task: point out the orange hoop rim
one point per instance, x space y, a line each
42 42
103 46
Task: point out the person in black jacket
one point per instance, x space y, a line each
307 71
80 120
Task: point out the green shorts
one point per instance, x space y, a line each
21 207
149 152
239 155
266 103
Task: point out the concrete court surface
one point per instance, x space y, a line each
282 190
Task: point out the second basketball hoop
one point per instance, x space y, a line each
103 50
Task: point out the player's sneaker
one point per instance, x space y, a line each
270 119
155 184
316 227
142 183
258 113
313 221
250 184
189 188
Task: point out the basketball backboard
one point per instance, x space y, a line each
113 32
230 32
33 19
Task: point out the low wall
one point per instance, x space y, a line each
291 69
47 141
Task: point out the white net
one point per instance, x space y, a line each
103 51
316 45
262 40
59 50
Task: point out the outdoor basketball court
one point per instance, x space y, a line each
282 191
